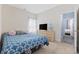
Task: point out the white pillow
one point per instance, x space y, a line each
12 33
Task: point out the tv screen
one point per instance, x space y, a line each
43 26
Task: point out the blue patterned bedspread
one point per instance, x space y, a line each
22 43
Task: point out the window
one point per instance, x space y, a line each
32 25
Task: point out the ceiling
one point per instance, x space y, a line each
35 8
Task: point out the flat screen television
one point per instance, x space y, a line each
43 27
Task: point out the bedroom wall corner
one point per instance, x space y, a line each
15 19
53 15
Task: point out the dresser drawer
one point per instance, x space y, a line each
48 34
51 39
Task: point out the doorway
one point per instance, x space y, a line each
68 28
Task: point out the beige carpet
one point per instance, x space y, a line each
56 48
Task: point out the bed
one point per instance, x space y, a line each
19 44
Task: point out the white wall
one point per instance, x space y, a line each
14 18
54 15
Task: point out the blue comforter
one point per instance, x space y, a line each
22 43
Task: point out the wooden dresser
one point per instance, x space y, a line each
49 34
